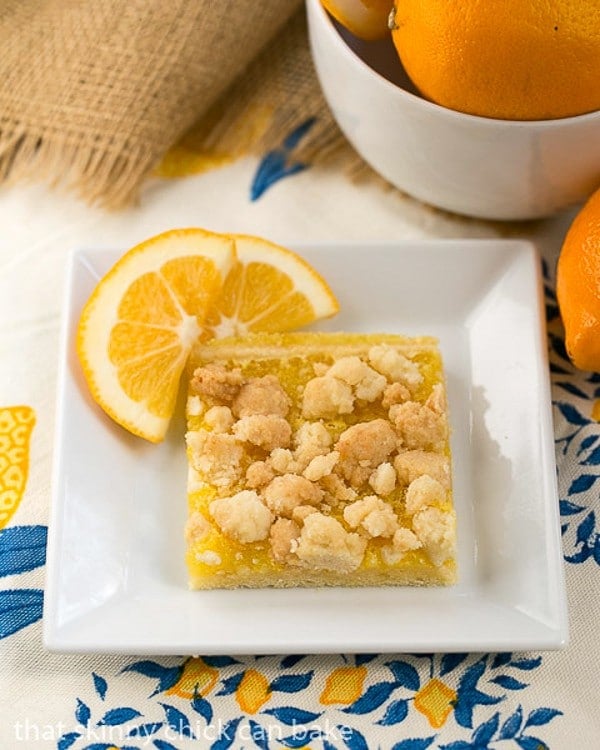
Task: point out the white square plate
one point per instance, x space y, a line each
116 575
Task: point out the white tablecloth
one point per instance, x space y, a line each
456 702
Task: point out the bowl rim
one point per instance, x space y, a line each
426 104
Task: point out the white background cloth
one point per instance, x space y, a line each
47 691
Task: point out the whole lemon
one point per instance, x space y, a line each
366 19
508 59
578 286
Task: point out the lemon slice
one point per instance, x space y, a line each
268 288
136 330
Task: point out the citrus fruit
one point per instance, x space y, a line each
578 286
366 19
268 288
514 60
137 328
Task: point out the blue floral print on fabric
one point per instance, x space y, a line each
279 163
22 548
471 697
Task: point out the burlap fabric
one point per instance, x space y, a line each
92 94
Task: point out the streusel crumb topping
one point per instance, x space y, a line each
312 479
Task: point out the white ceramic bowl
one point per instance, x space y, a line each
495 169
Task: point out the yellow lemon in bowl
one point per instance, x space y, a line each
366 19
514 60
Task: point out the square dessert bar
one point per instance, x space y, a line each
319 459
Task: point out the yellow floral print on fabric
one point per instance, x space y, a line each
192 156
183 161
596 410
435 700
253 691
269 702
16 424
344 685
197 678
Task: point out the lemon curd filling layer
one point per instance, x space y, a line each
319 459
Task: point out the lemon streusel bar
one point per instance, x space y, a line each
319 459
